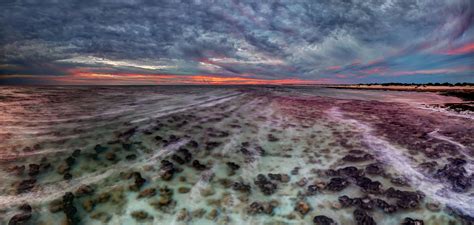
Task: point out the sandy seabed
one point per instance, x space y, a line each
232 155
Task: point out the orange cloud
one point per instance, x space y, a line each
78 77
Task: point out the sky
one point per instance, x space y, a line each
235 42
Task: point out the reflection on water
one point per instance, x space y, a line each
231 155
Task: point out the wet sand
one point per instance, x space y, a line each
232 155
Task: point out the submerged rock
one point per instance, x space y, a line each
433 206
76 153
140 215
103 197
193 144
262 207
186 155
198 166
365 203
302 207
139 181
165 199
183 215
101 216
265 185
295 171
356 158
323 220
25 208
207 191
34 169
345 201
272 138
177 159
167 170
369 186
99 149
410 221
212 144
386 207
149 192
84 190
88 205
302 182
399 181
16 169
25 185
455 173
312 189
183 190
110 156
70 161
212 215
232 166
349 171
362 218
242 187
131 157
63 168
69 209
406 199
67 176
337 184
374 169
56 206
198 213
20 219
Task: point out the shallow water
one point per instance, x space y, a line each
304 133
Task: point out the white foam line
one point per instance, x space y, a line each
20 155
195 196
134 115
392 155
465 151
48 192
447 112
52 191
207 103
107 113
437 135
156 114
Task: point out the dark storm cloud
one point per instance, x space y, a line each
264 39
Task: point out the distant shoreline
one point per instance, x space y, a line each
425 88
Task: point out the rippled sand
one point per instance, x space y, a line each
232 155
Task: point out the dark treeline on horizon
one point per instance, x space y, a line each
421 84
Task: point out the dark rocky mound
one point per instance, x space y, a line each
265 185
455 174
362 218
323 220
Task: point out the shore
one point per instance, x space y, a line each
407 88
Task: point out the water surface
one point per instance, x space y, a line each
232 155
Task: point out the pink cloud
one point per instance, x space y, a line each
333 68
376 70
433 71
465 49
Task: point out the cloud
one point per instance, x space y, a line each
464 49
337 41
